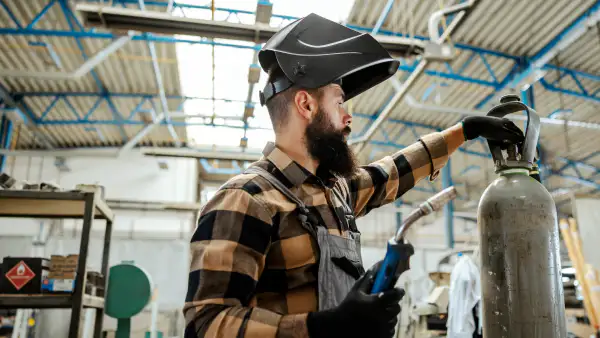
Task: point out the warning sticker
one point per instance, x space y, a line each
20 275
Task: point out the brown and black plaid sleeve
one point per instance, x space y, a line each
228 251
386 180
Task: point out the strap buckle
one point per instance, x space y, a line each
261 96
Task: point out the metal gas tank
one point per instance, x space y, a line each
521 282
520 260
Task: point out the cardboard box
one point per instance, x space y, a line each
440 278
63 267
58 285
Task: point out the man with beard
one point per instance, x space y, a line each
276 252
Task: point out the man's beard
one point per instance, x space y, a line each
328 146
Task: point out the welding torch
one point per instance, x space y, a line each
398 254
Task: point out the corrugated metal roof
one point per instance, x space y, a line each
518 28
515 27
128 70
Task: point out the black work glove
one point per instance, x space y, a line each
360 314
492 128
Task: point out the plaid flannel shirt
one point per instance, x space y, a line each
253 267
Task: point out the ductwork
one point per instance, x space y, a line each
115 18
436 18
84 69
111 153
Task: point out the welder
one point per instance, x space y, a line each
276 251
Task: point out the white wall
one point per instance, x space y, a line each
133 177
156 240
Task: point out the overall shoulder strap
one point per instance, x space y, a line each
276 184
308 220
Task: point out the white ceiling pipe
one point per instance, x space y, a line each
112 153
141 134
436 18
158 120
363 140
99 153
161 88
414 75
180 115
411 102
84 69
132 142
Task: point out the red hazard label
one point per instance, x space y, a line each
20 275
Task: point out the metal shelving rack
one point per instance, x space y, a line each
62 205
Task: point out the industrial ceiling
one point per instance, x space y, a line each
67 86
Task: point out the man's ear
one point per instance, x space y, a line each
306 104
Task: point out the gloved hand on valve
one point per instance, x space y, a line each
360 314
492 128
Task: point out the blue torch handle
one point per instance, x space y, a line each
396 261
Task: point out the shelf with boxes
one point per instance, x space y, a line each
62 281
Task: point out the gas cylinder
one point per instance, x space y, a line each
522 292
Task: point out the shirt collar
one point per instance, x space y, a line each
293 171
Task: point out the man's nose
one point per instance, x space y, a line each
347 118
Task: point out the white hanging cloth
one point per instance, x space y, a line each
464 295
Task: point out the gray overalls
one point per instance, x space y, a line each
340 261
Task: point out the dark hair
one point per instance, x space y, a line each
278 105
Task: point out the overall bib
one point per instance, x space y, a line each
340 261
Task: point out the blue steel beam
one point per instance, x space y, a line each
451 75
481 53
536 65
146 97
159 84
252 65
579 180
15 102
10 14
6 127
583 95
111 36
405 125
589 182
71 18
515 68
449 207
50 51
386 10
167 39
581 164
92 34
398 215
469 168
292 18
40 15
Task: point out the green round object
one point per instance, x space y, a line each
129 291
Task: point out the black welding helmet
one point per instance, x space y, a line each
313 52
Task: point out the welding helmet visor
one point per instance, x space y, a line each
313 52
